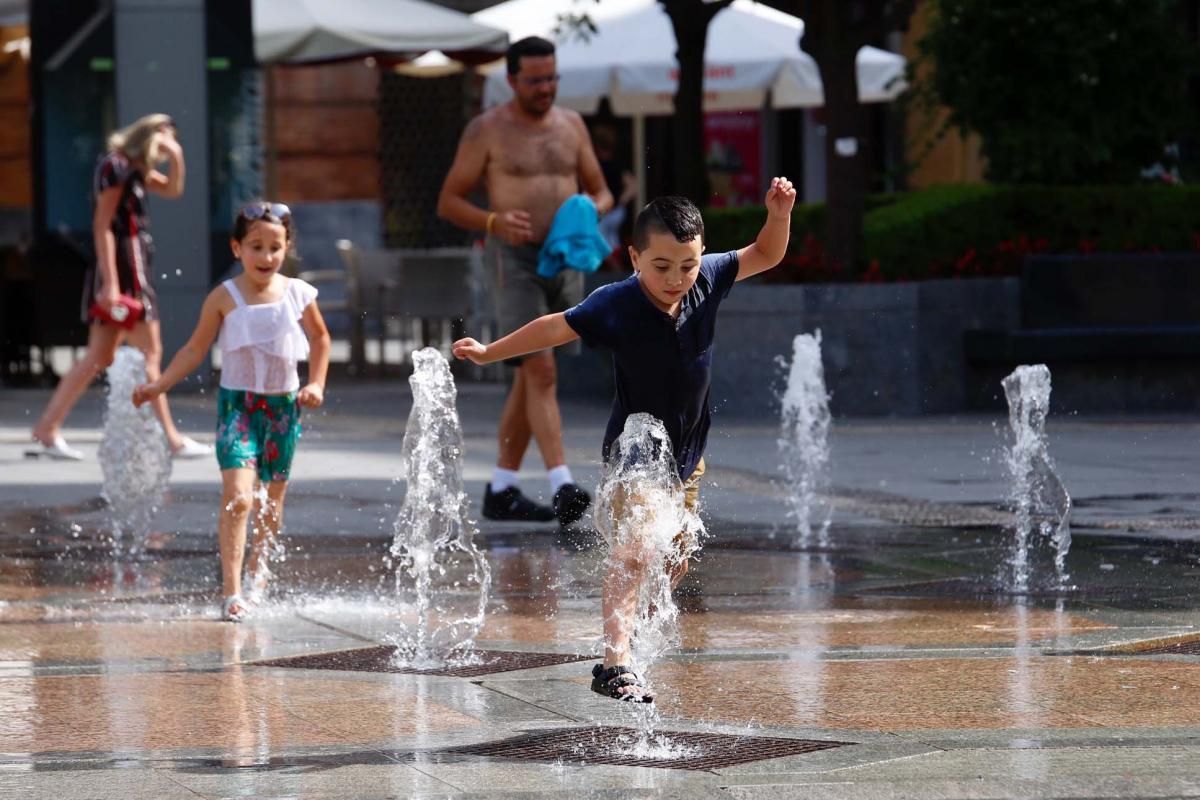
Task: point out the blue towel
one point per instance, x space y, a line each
574 241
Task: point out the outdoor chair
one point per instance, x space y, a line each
436 287
372 282
430 287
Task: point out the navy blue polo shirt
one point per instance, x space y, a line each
663 366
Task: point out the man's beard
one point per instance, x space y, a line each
533 109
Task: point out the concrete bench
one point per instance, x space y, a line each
1098 307
1126 325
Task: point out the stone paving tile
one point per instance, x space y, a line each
359 780
193 642
1034 764
581 793
864 751
90 785
1150 787
934 693
564 779
1046 738
123 681
720 629
876 627
218 709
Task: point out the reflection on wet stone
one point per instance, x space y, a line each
899 637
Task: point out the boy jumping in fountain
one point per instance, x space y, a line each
659 324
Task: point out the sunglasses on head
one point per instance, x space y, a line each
256 211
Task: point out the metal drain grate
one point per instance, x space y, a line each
379 659
603 745
975 589
1180 646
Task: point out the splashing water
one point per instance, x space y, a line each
1040 501
641 744
265 533
433 535
804 439
134 456
640 513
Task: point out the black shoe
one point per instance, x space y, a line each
512 505
570 504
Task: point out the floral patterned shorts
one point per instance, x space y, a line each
259 431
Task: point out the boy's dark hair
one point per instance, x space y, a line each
533 46
675 215
263 211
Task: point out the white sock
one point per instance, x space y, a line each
503 478
558 476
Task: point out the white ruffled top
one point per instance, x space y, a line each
262 343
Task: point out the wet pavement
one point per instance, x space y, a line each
891 662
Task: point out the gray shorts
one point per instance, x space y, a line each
520 294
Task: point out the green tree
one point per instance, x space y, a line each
1063 92
689 21
834 32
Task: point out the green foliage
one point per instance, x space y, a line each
731 228
988 230
976 230
1063 92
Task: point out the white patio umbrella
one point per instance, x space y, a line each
300 31
523 18
752 52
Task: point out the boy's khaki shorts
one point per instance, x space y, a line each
685 539
691 499
691 488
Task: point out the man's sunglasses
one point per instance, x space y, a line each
256 211
544 80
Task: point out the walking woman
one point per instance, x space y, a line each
120 278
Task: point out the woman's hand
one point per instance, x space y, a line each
311 396
109 296
470 349
146 392
168 143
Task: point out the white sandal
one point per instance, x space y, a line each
189 448
227 612
58 450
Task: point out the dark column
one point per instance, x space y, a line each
161 66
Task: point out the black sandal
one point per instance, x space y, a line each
609 682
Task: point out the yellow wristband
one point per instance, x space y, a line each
490 222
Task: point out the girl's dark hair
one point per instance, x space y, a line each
677 216
262 211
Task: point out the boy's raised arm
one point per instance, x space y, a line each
771 245
543 333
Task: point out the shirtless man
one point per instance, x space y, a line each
531 156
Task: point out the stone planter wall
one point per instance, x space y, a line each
888 349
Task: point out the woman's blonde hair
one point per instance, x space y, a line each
140 140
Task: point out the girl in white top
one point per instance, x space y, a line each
267 323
